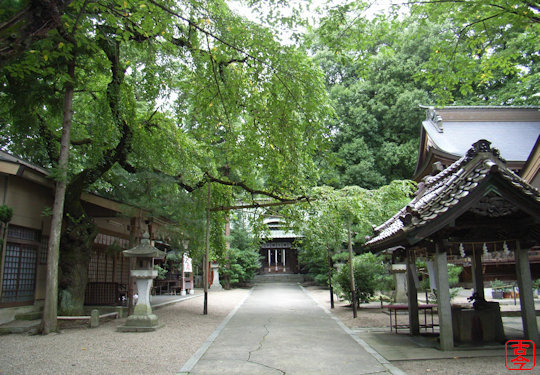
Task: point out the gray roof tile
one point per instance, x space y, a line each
437 194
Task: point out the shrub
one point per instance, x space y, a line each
369 276
242 266
162 272
453 274
6 213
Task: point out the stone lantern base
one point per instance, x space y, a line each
142 320
141 323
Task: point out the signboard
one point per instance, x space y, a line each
187 266
276 245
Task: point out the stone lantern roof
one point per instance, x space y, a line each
144 250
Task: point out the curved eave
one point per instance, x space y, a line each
396 239
433 155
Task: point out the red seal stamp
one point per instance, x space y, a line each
519 355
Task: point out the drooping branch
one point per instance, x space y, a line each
208 178
178 179
251 190
259 205
464 29
530 15
228 44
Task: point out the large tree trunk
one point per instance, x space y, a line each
79 230
77 241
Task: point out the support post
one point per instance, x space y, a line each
207 252
478 276
443 298
94 319
351 270
526 298
330 267
412 295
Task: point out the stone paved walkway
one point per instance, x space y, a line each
279 329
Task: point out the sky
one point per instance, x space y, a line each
375 7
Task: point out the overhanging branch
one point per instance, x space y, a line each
258 205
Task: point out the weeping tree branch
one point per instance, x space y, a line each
228 44
208 178
532 16
259 205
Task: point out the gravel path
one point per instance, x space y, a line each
104 351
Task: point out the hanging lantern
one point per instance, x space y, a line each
506 250
462 251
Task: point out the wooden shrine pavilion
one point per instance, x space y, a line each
476 199
278 253
446 135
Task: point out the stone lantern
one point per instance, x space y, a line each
142 319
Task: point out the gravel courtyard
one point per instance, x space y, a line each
103 350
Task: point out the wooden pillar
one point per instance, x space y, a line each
412 294
478 276
526 299
443 298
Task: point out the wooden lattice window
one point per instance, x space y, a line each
107 267
19 276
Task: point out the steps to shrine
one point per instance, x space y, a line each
278 278
20 326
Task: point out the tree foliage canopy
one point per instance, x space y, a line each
169 96
323 222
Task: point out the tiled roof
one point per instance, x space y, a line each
440 193
512 130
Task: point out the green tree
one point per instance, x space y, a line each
376 95
488 54
324 220
168 97
379 70
241 262
369 275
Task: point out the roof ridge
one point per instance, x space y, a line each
443 191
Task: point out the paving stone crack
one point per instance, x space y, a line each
260 347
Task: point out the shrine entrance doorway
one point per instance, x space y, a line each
278 257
